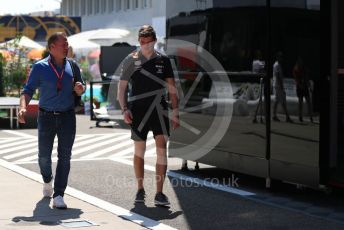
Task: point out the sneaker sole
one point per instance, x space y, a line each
139 201
62 207
158 203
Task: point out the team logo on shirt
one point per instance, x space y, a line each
159 65
159 68
137 64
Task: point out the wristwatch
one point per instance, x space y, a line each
124 109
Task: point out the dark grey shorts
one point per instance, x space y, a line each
143 122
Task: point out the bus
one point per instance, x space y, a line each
283 121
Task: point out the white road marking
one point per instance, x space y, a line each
6 140
20 147
35 150
130 162
109 149
16 143
27 151
131 149
114 140
107 206
208 184
35 157
72 160
21 134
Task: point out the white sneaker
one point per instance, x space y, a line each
48 189
59 203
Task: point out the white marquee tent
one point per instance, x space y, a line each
85 42
23 42
108 37
80 43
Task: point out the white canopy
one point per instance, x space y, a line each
80 43
87 41
24 42
108 37
109 33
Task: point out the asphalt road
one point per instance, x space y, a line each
193 205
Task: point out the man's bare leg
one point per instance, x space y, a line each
284 106
161 163
300 99
274 111
139 152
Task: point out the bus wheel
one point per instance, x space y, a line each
185 165
196 166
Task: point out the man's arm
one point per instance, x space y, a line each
172 91
24 102
123 101
79 86
28 91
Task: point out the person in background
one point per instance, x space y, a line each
302 88
70 53
281 97
258 67
95 71
258 63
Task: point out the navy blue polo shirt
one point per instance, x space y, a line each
43 77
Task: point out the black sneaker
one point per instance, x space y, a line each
161 199
140 196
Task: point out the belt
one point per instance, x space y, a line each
55 112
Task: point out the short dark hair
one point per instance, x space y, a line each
147 31
54 37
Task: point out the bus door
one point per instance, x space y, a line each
336 149
296 89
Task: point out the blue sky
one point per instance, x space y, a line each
27 6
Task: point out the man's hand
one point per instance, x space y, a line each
128 116
21 115
79 88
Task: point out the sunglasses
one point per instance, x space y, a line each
146 42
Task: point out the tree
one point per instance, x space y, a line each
2 60
14 73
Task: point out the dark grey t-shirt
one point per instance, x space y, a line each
146 78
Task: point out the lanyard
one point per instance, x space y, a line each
59 77
57 74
